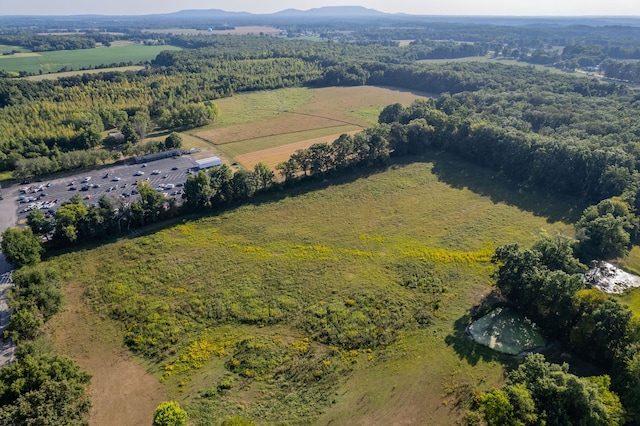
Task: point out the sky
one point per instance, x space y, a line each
416 7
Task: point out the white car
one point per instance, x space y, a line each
156 172
115 179
139 173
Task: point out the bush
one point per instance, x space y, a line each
170 414
21 247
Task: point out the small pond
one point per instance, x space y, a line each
505 330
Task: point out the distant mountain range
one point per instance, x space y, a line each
332 14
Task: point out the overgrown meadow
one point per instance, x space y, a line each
287 309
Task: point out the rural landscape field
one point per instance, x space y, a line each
347 244
268 127
328 217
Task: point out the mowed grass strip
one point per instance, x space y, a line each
48 62
288 258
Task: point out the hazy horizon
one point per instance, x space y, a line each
547 8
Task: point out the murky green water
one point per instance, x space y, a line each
506 331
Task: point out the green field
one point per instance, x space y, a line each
344 304
51 62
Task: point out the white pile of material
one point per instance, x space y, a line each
610 279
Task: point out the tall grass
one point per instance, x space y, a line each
362 280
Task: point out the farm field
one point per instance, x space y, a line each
289 119
235 313
51 62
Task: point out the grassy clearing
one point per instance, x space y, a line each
262 120
51 62
344 304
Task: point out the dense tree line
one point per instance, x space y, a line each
48 42
39 386
625 71
537 138
546 285
541 393
39 118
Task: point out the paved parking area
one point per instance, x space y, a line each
111 181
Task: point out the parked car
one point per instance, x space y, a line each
139 173
115 179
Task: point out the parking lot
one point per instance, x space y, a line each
117 182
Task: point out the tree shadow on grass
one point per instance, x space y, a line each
448 168
461 174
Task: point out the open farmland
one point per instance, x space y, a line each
289 119
51 62
236 312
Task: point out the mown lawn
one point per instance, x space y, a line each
342 301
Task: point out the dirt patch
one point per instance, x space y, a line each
272 156
122 392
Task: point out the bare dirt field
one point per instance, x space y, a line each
272 156
122 392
